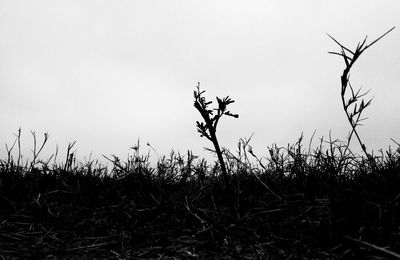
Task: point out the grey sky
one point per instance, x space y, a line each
107 72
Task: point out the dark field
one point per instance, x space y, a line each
296 203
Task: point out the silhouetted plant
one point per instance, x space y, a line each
352 106
208 128
35 151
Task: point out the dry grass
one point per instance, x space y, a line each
318 204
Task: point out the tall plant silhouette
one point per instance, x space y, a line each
208 128
355 105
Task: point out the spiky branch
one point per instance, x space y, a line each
354 115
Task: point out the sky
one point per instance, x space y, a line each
105 73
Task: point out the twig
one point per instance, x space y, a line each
354 116
378 248
186 204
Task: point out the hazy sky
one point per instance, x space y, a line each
105 73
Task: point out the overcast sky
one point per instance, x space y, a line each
105 73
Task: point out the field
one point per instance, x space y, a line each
297 202
300 204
